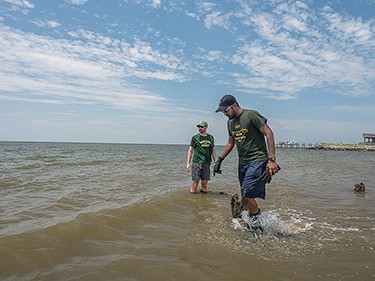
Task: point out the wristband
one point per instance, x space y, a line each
272 158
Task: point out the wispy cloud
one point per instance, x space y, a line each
298 49
288 48
155 3
205 6
46 23
89 69
77 2
283 50
21 3
213 55
217 19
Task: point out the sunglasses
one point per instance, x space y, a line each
227 109
200 127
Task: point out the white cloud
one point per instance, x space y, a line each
292 23
46 23
77 2
210 56
296 48
214 55
155 3
348 28
265 24
282 63
205 6
21 3
216 19
38 68
30 100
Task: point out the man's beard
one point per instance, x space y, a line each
232 116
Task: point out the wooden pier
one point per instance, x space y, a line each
368 144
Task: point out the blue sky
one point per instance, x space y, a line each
148 71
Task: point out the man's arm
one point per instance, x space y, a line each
267 132
228 147
214 157
189 154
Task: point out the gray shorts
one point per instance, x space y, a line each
200 172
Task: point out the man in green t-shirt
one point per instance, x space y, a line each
248 130
202 149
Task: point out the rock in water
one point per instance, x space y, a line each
236 206
359 187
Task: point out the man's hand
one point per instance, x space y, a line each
266 176
217 165
273 167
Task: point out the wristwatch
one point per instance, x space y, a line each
272 158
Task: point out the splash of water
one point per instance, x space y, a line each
267 223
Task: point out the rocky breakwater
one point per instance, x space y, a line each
344 147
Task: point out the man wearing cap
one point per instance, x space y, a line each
249 131
202 149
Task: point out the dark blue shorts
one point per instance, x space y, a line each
248 176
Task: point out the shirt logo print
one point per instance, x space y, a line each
205 143
240 135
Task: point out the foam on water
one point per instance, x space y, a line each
271 224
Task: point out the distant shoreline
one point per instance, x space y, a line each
344 147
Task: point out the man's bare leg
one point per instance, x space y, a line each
250 205
194 186
204 185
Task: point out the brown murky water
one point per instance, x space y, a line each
123 212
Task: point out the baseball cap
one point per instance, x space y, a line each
226 101
202 123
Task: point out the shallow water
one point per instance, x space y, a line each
123 212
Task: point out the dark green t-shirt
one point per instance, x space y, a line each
250 142
203 146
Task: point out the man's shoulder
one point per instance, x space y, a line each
252 114
212 139
250 111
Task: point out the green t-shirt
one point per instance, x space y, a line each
203 146
250 142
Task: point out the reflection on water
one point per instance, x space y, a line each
123 212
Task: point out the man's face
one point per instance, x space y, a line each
202 129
